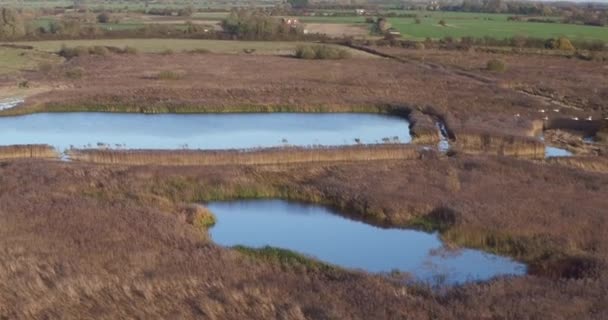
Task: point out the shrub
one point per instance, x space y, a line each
99 50
130 50
80 51
199 51
417 21
103 17
305 52
321 52
45 67
442 22
167 52
169 75
74 73
496 65
559 44
419 46
564 44
203 219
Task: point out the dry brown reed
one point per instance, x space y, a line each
279 155
475 142
423 128
27 151
594 164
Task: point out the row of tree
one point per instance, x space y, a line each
259 25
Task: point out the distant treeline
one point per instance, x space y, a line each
240 24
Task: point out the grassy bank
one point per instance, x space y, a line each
287 259
27 151
248 157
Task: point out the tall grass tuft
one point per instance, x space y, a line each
321 52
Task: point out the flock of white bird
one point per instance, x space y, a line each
589 118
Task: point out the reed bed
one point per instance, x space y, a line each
506 145
27 151
423 128
588 163
279 155
101 105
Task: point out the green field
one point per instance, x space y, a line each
137 4
179 45
14 60
463 24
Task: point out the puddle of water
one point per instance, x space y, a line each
551 152
318 232
9 103
590 140
201 131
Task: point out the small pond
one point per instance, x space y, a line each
318 232
551 152
200 131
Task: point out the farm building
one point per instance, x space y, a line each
294 22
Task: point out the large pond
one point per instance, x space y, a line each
318 232
200 131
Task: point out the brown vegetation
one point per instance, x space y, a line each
423 128
248 83
27 151
248 157
92 232
487 143
570 85
594 164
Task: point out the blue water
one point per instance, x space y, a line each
200 131
551 152
318 232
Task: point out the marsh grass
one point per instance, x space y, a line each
277 155
471 141
98 106
285 258
27 151
594 164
